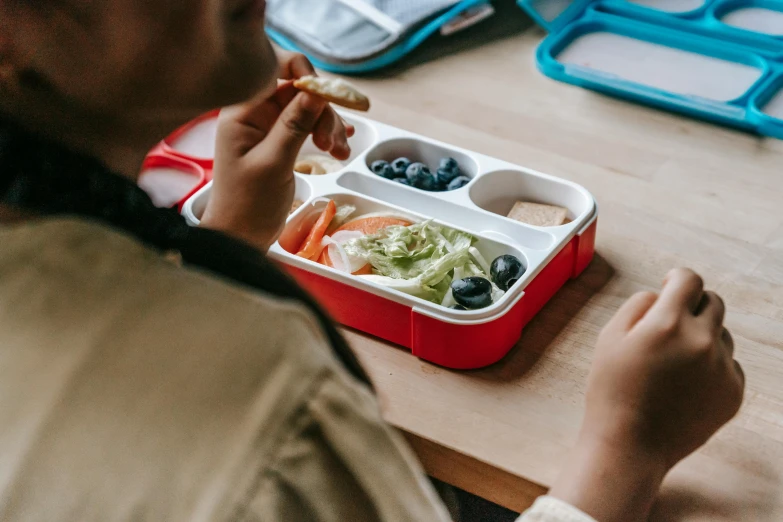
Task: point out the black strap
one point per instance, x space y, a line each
46 178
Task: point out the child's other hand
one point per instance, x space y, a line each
664 380
255 152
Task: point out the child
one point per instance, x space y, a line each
136 389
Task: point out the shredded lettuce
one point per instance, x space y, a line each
408 286
421 259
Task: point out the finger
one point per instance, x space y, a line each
341 149
330 135
291 129
350 130
294 65
633 310
682 290
261 113
727 341
240 129
323 135
712 309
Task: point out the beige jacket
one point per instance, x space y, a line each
131 389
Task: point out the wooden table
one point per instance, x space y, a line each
671 192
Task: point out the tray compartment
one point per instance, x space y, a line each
677 7
300 223
443 336
704 22
459 215
425 151
756 16
365 137
449 344
497 191
196 140
195 206
168 180
657 61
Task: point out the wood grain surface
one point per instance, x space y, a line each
671 192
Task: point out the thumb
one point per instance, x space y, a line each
295 123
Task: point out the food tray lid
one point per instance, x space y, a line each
716 60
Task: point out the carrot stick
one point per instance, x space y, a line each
311 248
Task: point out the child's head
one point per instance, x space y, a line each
136 66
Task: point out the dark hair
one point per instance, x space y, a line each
39 175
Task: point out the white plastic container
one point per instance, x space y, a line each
456 339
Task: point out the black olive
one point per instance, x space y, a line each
472 292
505 271
458 307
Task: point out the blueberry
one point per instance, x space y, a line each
458 307
416 169
419 176
506 271
446 176
449 164
472 292
403 181
430 184
448 169
378 165
400 165
459 182
383 169
387 172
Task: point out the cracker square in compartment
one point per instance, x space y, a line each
539 214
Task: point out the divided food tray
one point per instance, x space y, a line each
451 338
718 60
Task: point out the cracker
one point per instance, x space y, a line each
316 164
309 167
334 90
538 214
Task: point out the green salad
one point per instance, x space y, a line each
421 259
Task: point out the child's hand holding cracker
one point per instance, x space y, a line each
256 149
